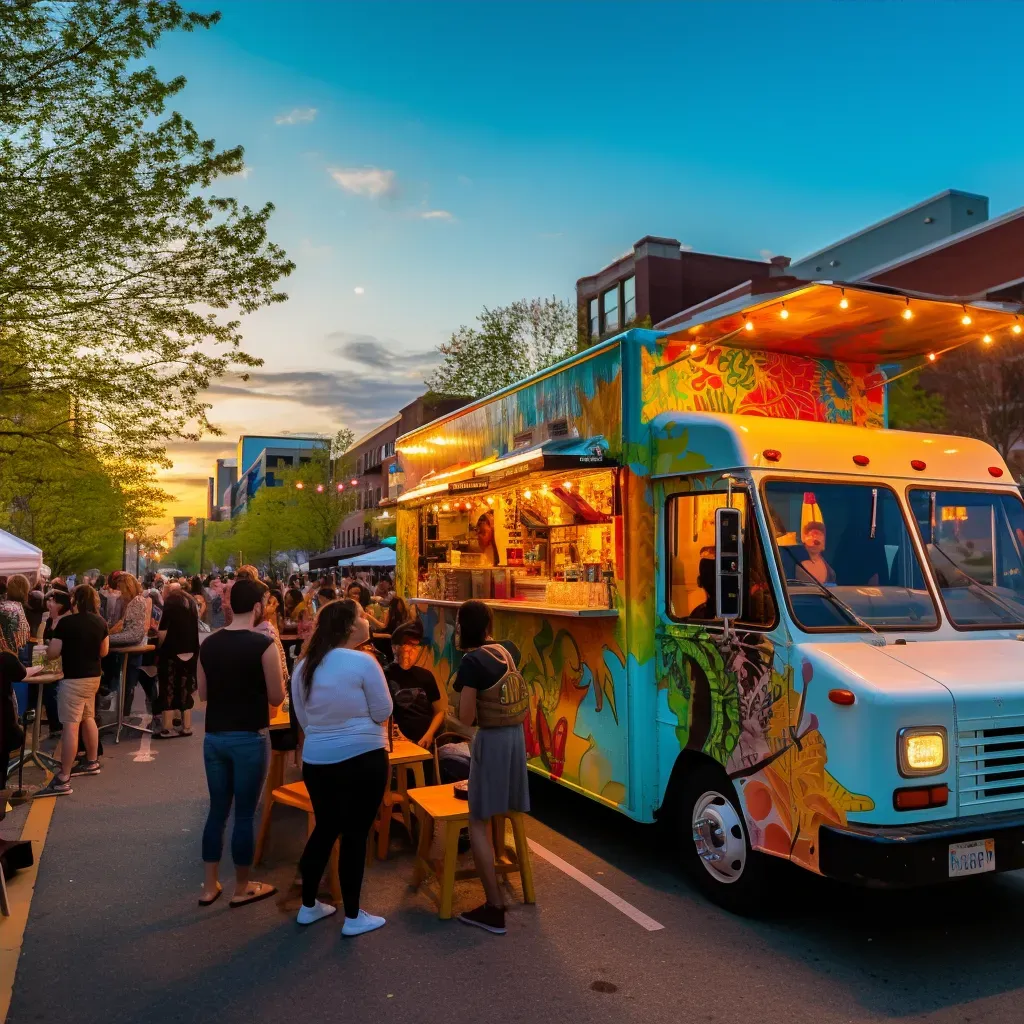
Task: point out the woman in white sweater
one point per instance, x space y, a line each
342 702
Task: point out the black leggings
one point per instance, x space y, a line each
345 798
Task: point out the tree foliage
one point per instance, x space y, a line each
983 394
911 407
123 267
510 343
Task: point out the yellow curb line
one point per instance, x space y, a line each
20 891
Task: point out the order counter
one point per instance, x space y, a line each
526 607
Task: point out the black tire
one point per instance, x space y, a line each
741 885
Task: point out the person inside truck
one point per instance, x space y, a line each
814 565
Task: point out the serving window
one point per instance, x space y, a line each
546 538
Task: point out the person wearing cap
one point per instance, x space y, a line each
420 705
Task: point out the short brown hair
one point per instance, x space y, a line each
17 588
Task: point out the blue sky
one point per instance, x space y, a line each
442 157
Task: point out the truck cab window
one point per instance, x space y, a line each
845 554
974 542
690 551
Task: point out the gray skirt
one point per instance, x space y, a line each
497 773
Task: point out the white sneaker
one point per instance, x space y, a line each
310 915
363 923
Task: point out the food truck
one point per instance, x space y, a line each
744 606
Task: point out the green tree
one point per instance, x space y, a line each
510 343
122 266
911 407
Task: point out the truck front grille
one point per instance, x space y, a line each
990 766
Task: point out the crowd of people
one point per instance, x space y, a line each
342 653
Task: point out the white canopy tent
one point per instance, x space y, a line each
17 555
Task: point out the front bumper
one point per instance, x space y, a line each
909 855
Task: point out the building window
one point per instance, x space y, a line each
629 300
691 559
389 449
611 309
595 321
377 502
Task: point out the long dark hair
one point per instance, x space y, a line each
333 626
398 612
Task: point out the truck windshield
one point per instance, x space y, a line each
845 544
974 541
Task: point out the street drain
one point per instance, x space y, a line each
603 986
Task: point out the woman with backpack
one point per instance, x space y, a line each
494 697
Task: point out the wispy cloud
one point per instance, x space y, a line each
435 215
374 182
298 115
368 351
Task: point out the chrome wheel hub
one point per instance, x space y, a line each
718 837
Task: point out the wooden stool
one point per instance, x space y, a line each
439 804
405 756
295 795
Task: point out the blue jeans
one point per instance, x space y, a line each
236 766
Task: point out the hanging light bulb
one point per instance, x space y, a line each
844 302
319 488
784 313
341 487
693 347
987 339
931 357
1016 328
299 485
749 325
490 501
527 493
908 313
966 318
567 485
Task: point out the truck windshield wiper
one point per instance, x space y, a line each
980 588
836 600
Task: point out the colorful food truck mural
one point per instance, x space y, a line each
862 713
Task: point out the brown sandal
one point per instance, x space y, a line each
212 899
263 892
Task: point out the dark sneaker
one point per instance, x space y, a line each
86 768
491 919
56 787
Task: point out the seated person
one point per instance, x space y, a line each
706 581
814 566
420 706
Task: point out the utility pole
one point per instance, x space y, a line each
202 545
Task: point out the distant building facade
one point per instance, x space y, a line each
371 463
263 459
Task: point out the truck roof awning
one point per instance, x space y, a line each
556 453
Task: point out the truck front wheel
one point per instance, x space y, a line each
716 848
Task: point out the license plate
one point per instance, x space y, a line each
974 858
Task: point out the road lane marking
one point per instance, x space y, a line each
597 888
20 890
144 753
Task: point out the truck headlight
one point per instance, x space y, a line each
922 750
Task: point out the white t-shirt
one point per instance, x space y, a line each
347 709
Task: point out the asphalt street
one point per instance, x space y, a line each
114 933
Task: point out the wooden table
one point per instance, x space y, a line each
33 754
438 804
406 756
121 723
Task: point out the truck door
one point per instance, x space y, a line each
719 688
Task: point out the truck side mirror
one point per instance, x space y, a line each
728 563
